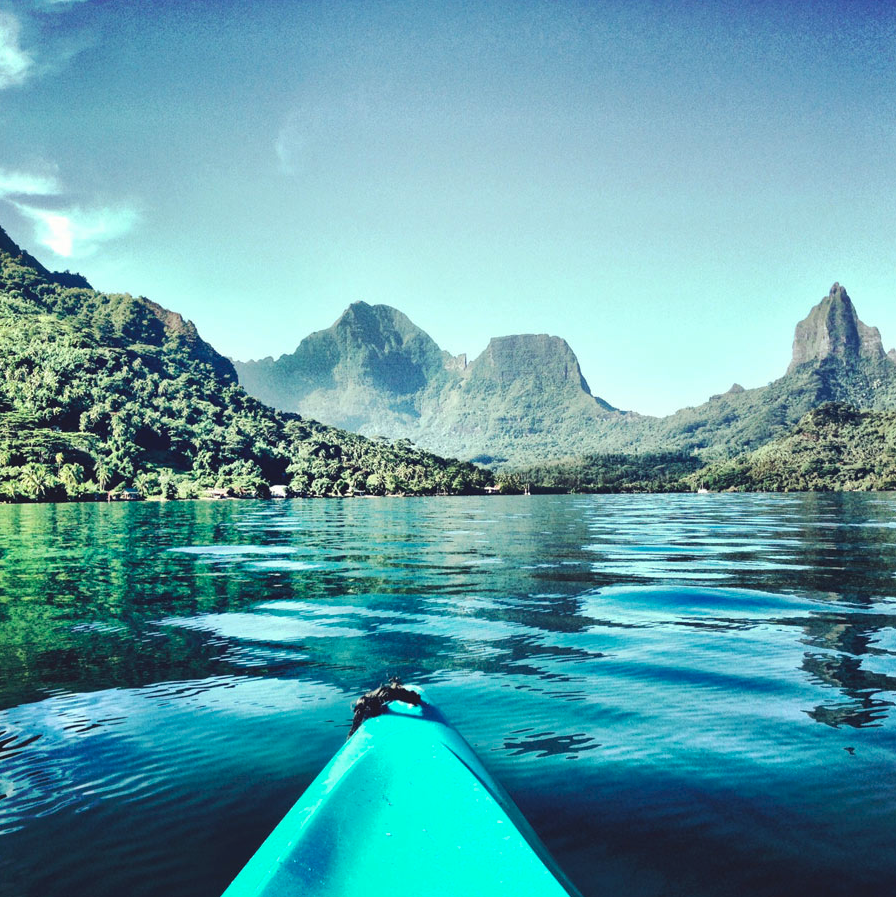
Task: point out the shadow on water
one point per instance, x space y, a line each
678 690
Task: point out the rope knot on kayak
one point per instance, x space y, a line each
374 702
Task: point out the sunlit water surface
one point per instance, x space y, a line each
684 694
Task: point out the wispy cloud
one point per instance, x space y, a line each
69 229
32 45
75 231
15 62
20 183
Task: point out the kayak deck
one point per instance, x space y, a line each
405 807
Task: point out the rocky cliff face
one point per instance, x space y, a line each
832 329
176 325
528 362
377 373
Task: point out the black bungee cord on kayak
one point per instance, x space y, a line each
374 702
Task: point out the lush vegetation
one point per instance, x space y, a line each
834 447
606 473
102 392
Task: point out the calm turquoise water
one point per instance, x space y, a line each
685 694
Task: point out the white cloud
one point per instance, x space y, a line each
20 183
53 48
75 231
69 230
15 63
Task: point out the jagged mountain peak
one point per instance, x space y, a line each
832 329
368 322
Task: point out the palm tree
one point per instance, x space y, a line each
72 475
36 480
144 482
102 473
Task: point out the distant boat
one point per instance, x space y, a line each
703 491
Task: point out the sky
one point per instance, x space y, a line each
670 186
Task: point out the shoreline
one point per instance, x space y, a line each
158 499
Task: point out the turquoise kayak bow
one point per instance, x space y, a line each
404 808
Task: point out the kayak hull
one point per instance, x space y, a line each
405 807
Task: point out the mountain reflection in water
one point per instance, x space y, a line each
685 694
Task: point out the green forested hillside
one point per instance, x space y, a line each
99 391
834 447
646 472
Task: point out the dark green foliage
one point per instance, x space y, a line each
834 447
100 391
660 472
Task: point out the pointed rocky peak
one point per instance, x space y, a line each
736 389
375 347
892 355
832 329
381 327
358 313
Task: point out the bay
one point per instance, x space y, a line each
685 694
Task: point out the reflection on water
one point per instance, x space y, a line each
678 690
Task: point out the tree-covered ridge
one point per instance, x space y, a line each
101 390
646 472
834 447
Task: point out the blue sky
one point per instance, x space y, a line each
668 185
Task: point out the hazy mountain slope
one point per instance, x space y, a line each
370 366
376 372
523 396
836 358
99 390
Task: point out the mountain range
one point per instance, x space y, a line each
103 391
524 399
